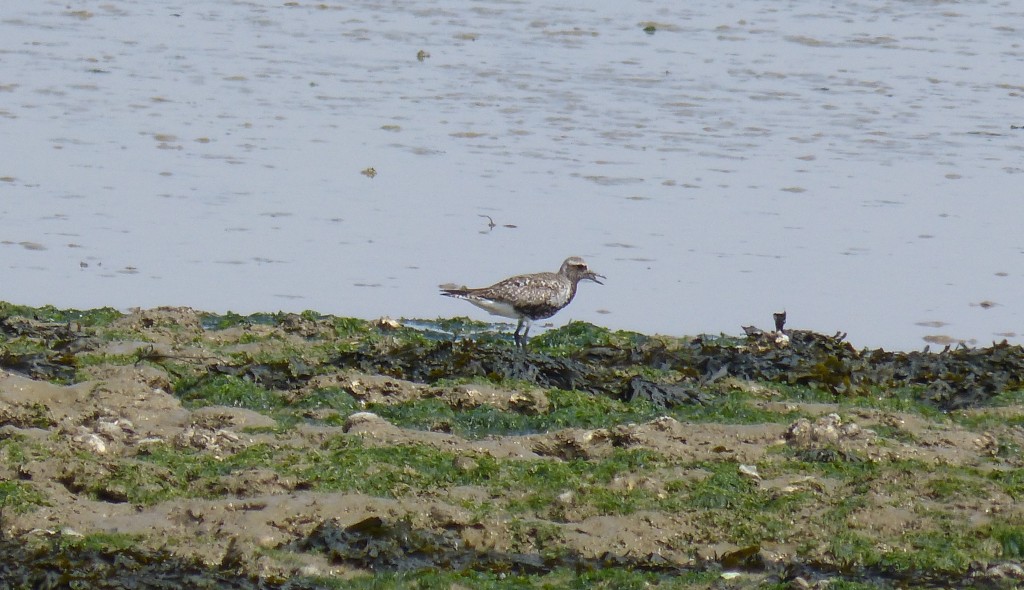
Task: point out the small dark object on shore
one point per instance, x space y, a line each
780 321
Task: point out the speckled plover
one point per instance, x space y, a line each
528 297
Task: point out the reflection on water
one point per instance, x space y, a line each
853 165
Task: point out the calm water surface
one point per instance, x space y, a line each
854 164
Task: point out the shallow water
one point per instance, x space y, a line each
854 165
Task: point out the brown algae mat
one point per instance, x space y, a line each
175 448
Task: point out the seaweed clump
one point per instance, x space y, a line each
950 379
382 545
668 372
63 563
396 546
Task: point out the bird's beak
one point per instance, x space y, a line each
593 276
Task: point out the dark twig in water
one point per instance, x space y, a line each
490 224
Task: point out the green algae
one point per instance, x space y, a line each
227 390
474 423
102 316
575 337
16 496
566 409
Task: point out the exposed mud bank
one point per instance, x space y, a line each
309 451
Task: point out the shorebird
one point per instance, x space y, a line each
528 297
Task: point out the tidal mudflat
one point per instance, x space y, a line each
313 451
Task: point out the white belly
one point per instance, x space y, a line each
496 308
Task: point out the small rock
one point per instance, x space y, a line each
268 541
361 419
310 570
1005 571
664 423
987 443
92 442
828 430
386 323
464 464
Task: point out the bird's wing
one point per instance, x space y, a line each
529 290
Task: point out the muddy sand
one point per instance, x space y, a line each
315 451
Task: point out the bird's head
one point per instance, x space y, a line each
576 270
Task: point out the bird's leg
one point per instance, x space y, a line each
520 340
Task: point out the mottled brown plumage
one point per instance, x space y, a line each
529 297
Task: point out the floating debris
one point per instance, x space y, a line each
750 471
